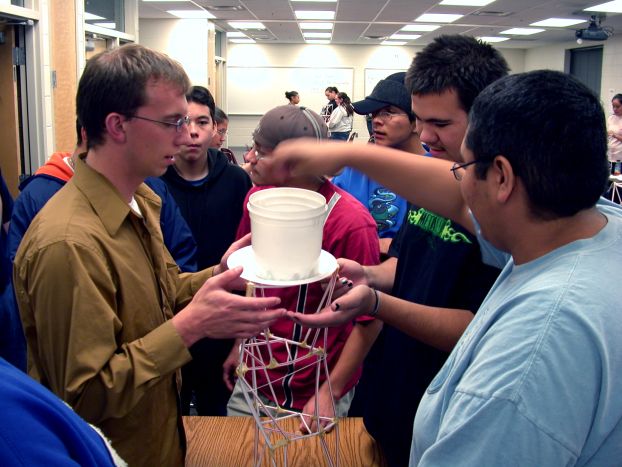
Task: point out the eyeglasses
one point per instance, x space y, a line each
387 116
260 152
457 168
221 132
178 124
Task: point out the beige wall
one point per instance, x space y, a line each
554 58
299 55
64 65
612 70
185 40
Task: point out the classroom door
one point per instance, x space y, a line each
15 155
219 84
586 64
12 67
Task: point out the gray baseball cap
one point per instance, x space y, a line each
286 122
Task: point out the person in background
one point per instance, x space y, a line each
614 133
348 231
342 118
107 314
331 94
394 122
209 192
292 97
220 135
534 378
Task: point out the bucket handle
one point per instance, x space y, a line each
331 204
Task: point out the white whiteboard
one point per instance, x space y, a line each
255 90
373 75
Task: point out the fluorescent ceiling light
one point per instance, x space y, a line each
393 43
317 35
91 17
106 25
438 18
317 41
405 37
609 7
493 39
246 25
236 34
315 25
308 14
191 14
242 41
557 22
466 2
420 27
522 31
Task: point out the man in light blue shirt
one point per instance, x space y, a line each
536 377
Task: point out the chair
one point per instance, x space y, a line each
615 191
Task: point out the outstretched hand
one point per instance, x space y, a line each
294 157
356 302
217 313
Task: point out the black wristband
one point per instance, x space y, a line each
374 312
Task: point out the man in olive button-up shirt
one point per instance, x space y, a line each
107 315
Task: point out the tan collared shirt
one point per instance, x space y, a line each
96 288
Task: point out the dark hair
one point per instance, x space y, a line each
78 133
332 89
552 130
116 80
617 97
220 116
347 103
462 63
289 95
202 96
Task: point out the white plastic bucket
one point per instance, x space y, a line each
286 226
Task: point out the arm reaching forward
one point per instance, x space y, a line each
424 181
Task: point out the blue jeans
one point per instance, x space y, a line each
340 135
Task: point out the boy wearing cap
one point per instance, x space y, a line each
393 125
349 231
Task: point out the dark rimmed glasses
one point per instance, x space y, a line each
178 124
458 167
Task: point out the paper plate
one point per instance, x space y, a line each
245 257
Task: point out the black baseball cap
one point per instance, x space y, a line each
388 91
